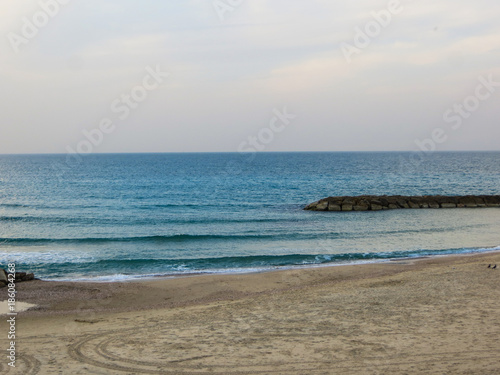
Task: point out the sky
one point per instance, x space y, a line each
242 75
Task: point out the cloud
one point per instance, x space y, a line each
226 77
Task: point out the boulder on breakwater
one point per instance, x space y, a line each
390 202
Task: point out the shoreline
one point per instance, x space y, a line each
186 280
428 315
243 271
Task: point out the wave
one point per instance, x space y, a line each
137 221
13 205
145 267
129 205
38 219
155 239
283 260
316 236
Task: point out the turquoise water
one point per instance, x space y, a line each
108 217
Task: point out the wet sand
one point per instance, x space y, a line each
20 306
435 315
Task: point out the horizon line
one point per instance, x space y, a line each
238 152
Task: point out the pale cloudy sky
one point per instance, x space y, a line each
230 70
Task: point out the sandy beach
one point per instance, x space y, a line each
436 315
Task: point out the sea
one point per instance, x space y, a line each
109 217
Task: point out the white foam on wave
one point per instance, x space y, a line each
99 279
183 271
38 257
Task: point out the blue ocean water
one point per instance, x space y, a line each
115 216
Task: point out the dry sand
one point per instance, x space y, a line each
431 316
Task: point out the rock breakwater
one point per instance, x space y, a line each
390 202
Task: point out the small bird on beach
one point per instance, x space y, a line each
489 265
495 266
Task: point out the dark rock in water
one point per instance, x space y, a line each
492 201
361 207
311 207
448 205
384 202
402 203
480 202
322 206
18 277
378 203
334 207
434 205
28 277
467 201
3 278
413 204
